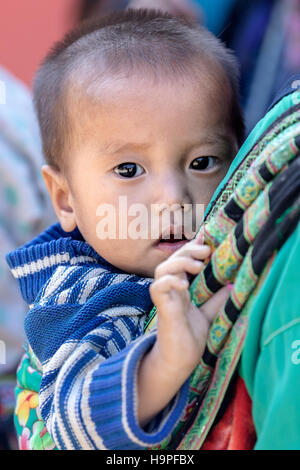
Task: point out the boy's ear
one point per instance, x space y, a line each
61 198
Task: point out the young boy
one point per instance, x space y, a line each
141 106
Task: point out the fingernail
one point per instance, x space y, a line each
229 286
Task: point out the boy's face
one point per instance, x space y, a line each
136 143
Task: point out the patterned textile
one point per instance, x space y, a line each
245 236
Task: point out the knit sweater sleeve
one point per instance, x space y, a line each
90 354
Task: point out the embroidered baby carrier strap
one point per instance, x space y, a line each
245 234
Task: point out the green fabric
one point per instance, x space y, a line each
270 362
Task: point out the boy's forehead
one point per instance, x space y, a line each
104 94
139 118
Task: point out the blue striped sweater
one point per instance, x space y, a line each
85 325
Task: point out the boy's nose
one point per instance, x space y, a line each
171 191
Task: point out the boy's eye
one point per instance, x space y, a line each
128 170
203 163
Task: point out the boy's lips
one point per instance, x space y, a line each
167 241
170 247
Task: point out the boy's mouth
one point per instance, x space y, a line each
169 241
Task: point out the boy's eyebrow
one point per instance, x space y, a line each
215 139
116 147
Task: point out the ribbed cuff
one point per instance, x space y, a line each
113 401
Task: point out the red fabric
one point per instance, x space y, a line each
235 430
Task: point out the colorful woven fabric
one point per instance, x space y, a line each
245 236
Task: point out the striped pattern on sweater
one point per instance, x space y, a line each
85 326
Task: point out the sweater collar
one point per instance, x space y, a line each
34 263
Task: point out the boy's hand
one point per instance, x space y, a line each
182 330
182 327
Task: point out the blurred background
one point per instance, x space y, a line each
264 35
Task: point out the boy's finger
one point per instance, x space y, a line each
166 283
166 295
192 250
193 246
178 266
195 249
213 306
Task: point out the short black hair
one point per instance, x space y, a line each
125 40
